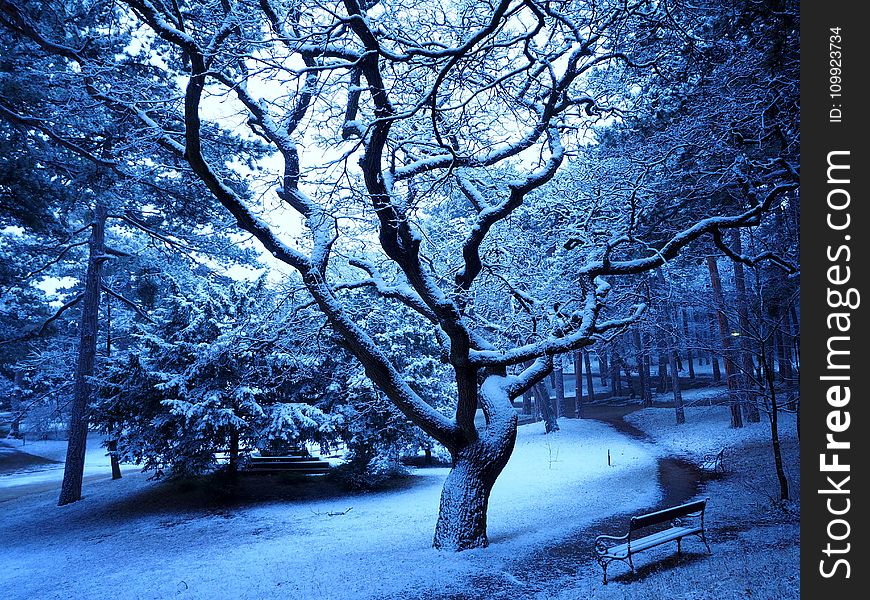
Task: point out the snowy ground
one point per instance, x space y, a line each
49 470
140 539
706 429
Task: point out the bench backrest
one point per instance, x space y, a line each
667 515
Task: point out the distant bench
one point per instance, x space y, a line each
295 460
685 520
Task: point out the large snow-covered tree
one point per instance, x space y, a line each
377 112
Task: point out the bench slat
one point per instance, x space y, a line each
654 539
666 515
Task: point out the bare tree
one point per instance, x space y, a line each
378 110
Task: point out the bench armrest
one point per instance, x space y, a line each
601 546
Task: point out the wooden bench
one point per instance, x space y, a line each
684 520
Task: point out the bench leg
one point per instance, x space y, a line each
679 549
631 564
704 539
605 573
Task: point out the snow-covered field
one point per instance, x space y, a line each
140 539
706 429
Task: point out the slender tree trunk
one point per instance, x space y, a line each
725 331
602 366
714 358
629 382
17 404
543 402
774 433
527 403
233 466
578 384
559 387
615 379
747 368
678 393
587 361
700 337
71 488
111 443
688 343
638 351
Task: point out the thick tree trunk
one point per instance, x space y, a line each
587 361
71 488
476 466
725 331
578 384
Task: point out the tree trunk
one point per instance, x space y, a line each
774 432
714 358
602 366
527 403
476 466
629 382
71 488
111 443
615 379
233 466
678 393
587 361
543 402
747 367
559 386
17 404
578 384
688 344
725 331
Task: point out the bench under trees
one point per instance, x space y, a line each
643 533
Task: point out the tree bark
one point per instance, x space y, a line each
559 385
73 473
476 466
111 443
615 377
725 331
714 358
602 366
688 344
543 402
774 431
587 361
17 396
678 393
578 384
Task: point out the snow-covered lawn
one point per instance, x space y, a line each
707 428
96 462
139 539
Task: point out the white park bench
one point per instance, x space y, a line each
684 520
